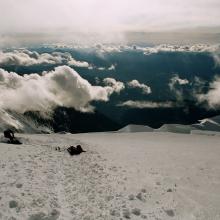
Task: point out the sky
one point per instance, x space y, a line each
106 16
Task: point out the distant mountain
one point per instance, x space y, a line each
207 124
210 124
24 123
136 128
70 120
63 120
175 128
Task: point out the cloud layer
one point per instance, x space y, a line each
100 16
60 87
136 84
199 48
29 58
212 97
146 104
113 85
175 86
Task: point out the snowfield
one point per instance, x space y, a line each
144 175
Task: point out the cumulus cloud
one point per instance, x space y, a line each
28 58
198 48
212 97
175 86
146 104
112 67
177 80
136 84
60 87
103 48
101 68
180 48
83 64
113 85
216 57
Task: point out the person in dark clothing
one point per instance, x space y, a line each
10 135
75 150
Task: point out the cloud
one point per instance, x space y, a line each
61 87
146 104
73 62
177 80
212 97
216 57
199 48
29 58
114 86
143 15
196 48
175 86
103 49
112 67
102 68
135 84
6 120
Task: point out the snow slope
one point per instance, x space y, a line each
175 128
209 124
136 128
144 175
20 123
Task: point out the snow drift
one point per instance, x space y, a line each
209 124
21 123
175 128
136 128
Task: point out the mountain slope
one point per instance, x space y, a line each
210 124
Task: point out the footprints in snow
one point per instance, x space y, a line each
86 184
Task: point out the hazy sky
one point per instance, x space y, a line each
100 15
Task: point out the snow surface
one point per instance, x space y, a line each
20 123
144 175
176 128
136 128
209 124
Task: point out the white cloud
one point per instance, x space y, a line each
179 48
112 67
99 15
146 104
136 84
60 87
212 97
216 57
73 62
29 58
177 80
103 49
6 120
101 68
25 58
114 86
175 85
